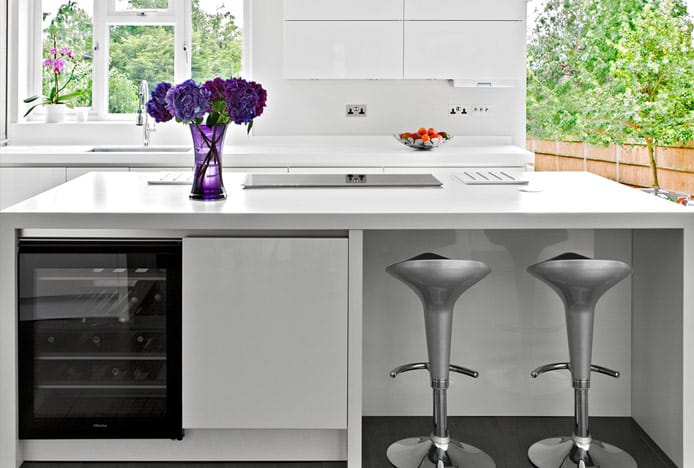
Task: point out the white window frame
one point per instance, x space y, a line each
179 15
4 66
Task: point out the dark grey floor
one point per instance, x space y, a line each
506 439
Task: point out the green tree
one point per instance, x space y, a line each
650 95
611 71
569 53
122 98
216 44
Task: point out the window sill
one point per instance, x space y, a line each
93 132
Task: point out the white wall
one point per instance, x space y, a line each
317 107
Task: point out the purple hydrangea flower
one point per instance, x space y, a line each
262 97
216 87
156 106
188 101
245 100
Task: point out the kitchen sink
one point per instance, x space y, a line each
141 149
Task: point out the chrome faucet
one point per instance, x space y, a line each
142 116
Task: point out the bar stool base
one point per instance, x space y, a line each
421 452
557 453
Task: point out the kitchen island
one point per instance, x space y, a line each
505 327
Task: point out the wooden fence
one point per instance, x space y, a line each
627 164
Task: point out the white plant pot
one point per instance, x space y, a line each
55 113
82 114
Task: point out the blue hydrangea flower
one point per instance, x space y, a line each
188 101
156 106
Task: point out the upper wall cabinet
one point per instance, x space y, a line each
481 40
477 50
343 49
513 10
342 10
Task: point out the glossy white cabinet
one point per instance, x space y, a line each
343 49
465 10
342 10
478 50
20 183
265 333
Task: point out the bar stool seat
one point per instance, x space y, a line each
580 282
438 282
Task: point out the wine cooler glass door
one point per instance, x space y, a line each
99 339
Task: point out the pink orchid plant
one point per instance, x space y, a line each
58 61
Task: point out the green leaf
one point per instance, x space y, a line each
73 95
212 119
249 127
33 98
31 109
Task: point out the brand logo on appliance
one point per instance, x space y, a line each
100 426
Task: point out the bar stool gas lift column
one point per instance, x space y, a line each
580 282
438 282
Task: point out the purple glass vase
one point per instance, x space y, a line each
207 177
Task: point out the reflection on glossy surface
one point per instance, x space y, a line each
560 452
423 453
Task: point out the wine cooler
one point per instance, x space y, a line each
99 339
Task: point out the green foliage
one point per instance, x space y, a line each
122 98
138 53
650 96
612 71
216 44
148 4
569 55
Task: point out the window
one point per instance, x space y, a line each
118 43
216 41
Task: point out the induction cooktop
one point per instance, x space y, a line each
257 181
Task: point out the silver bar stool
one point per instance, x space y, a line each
438 282
580 282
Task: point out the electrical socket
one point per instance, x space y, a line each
481 109
458 109
355 110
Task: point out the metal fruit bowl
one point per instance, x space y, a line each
418 143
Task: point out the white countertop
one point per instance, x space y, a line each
368 151
564 199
